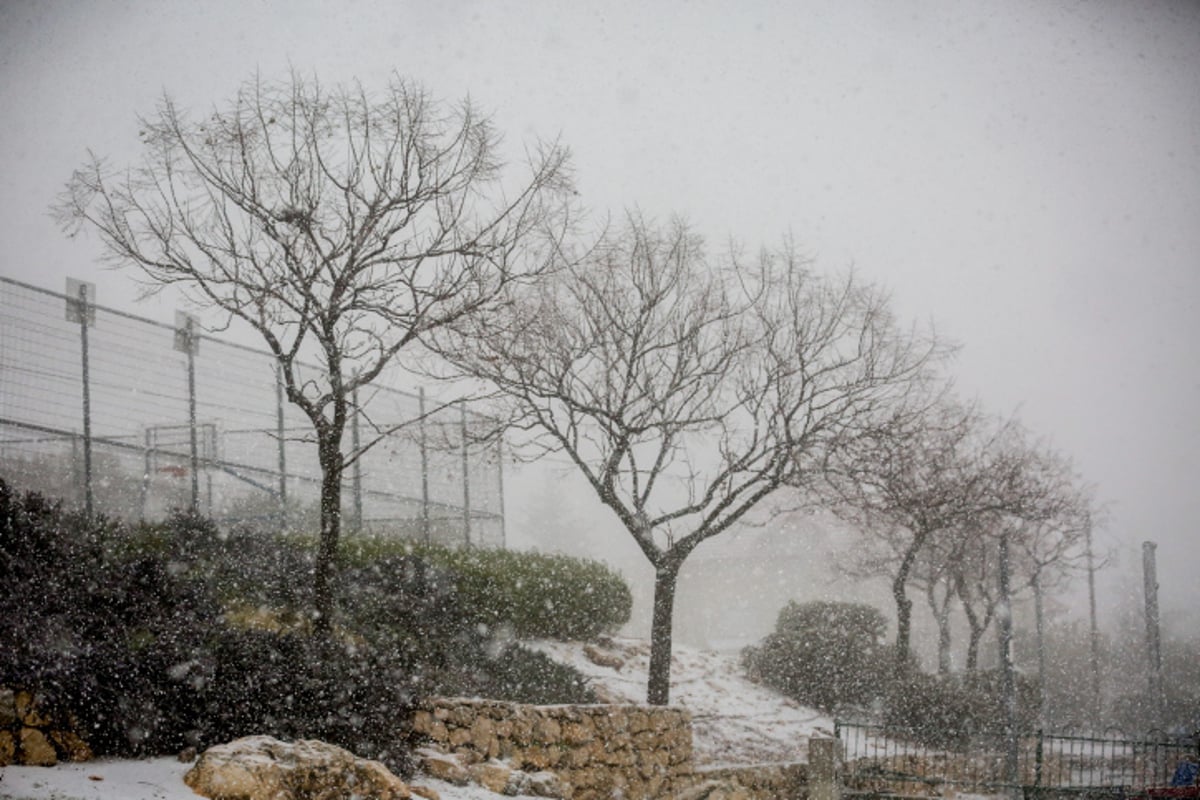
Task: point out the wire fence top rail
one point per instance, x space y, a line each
101 406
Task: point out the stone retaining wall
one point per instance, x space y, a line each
758 782
601 751
597 751
30 735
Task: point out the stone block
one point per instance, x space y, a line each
495 777
30 710
574 733
8 748
547 730
8 708
71 746
443 767
35 749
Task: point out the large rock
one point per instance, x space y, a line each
263 768
443 767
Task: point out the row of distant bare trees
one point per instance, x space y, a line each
687 386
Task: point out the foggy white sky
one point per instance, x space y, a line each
1025 175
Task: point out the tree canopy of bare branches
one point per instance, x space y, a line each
935 495
336 223
687 390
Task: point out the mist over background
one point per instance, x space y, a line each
1024 176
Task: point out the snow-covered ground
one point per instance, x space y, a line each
148 779
734 722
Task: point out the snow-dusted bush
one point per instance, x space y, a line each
521 675
829 655
526 595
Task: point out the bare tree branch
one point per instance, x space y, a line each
687 390
334 222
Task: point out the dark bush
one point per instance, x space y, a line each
123 628
521 675
104 623
294 685
824 654
928 708
951 710
147 636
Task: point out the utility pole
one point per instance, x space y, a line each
1004 629
1095 631
1153 638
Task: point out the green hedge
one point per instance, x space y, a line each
531 595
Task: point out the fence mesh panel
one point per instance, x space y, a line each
253 457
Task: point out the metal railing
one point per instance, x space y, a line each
887 761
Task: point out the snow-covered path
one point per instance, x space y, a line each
734 721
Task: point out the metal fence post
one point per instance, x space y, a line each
424 446
356 468
500 490
466 463
187 343
81 311
279 434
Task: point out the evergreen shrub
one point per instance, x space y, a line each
828 655
527 595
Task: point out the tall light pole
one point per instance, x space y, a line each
1153 638
1091 568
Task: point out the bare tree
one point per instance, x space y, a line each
975 584
687 392
933 572
1044 519
335 223
921 480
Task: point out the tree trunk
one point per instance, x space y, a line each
903 604
658 691
903 622
973 642
941 615
331 527
943 623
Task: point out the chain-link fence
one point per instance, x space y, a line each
130 417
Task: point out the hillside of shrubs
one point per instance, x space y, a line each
180 634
